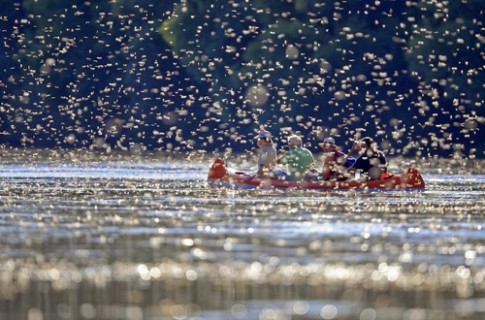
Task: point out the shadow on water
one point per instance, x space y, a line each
148 239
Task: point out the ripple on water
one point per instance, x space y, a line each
151 239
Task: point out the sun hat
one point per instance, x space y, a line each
327 140
294 139
263 134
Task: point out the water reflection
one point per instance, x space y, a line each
118 239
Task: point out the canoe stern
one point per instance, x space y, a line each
218 170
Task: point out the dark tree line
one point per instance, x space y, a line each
197 74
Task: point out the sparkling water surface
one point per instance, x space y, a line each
147 238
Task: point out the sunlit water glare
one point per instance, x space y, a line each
149 239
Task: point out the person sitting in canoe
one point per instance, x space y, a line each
267 155
298 159
335 161
372 162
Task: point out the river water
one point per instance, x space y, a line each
145 237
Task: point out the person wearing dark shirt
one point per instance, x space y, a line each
372 162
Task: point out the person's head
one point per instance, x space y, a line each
294 141
367 143
263 138
328 144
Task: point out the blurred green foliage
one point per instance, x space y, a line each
197 74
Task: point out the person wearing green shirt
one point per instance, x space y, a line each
298 159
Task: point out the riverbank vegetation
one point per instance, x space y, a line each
206 75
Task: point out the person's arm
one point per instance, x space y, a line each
266 161
355 148
260 170
341 159
263 156
327 160
383 161
282 157
358 164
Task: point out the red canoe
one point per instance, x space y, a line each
220 175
